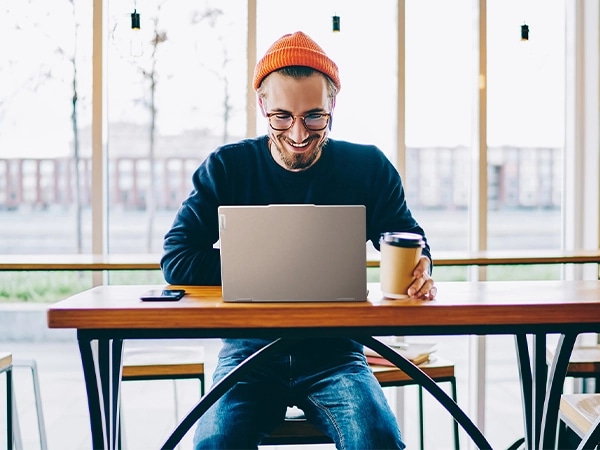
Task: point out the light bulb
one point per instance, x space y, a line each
336 23
524 32
136 47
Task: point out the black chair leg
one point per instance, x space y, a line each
455 423
422 419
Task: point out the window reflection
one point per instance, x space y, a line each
45 103
185 94
169 106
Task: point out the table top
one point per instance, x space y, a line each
458 304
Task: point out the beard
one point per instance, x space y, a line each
296 161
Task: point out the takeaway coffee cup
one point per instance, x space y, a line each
400 253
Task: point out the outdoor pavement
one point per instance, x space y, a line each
148 406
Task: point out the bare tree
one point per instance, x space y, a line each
212 16
49 69
152 76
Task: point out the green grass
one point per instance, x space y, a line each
52 286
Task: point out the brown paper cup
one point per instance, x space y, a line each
400 253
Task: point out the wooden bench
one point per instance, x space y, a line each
148 261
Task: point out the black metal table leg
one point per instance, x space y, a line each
525 375
438 393
539 383
102 382
221 388
556 380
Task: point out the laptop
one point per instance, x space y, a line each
293 253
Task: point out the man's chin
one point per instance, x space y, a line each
295 163
297 159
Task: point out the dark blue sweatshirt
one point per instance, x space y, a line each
245 173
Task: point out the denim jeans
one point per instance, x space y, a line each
337 392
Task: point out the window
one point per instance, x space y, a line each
365 51
45 103
176 91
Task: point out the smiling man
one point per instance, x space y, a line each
295 163
296 141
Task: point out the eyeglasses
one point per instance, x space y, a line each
312 121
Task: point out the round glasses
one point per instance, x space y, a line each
312 121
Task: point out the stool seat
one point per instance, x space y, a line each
584 360
296 430
436 368
162 362
580 411
5 360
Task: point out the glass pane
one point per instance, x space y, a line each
176 90
439 80
45 115
365 51
526 123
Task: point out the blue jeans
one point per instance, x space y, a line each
337 392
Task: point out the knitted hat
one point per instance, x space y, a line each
295 50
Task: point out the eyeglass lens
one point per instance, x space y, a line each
313 122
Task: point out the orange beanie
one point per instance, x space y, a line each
295 50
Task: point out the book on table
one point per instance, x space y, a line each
415 352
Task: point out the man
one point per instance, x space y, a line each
295 162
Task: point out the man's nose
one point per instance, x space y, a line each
298 131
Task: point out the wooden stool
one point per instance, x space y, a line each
164 362
296 430
584 363
30 364
581 414
6 366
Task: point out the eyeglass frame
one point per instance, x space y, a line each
269 115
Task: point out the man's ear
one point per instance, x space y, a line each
331 113
263 107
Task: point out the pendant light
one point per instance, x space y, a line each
336 23
524 32
136 39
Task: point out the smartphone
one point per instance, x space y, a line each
162 295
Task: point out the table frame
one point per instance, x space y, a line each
102 371
101 348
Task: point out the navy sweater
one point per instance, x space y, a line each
245 173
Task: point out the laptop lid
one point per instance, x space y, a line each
280 253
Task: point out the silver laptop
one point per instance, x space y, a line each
297 253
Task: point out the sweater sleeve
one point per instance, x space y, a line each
390 211
189 255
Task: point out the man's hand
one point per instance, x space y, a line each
423 285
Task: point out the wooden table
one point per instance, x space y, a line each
107 315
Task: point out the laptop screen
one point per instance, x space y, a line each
293 253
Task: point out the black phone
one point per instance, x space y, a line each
162 295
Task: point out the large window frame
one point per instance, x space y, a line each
581 179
